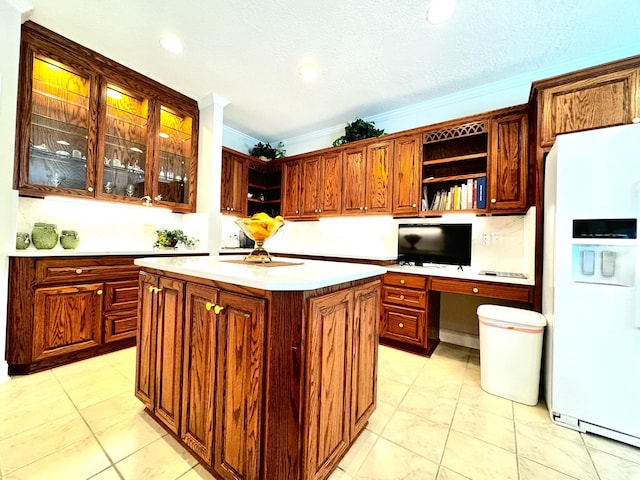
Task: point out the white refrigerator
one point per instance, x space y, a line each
591 282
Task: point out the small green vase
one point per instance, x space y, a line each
22 240
44 236
69 239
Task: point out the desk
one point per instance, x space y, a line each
410 317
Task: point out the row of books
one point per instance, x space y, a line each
465 196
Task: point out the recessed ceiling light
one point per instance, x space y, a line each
308 71
171 44
440 10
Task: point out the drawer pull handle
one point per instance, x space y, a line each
99 292
401 325
493 200
475 290
90 189
401 297
153 289
402 282
78 271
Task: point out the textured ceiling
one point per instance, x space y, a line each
373 56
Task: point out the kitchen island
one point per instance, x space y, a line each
261 371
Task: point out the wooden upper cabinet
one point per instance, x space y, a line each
407 191
89 127
234 184
291 189
508 166
321 184
366 176
602 100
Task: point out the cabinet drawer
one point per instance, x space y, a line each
121 295
403 324
405 280
405 297
519 293
120 325
84 269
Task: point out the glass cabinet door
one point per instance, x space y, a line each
124 147
176 158
60 118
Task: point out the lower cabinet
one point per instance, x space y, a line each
410 313
63 309
205 362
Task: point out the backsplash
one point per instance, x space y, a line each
106 226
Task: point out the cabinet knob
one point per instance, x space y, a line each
217 309
401 297
158 198
361 208
402 282
414 205
99 292
366 208
150 289
297 211
319 210
636 120
493 200
78 271
401 325
475 290
90 189
208 306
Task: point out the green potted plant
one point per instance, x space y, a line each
171 238
266 151
358 130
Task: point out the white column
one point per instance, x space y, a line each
210 166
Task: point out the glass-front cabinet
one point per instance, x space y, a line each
58 127
87 126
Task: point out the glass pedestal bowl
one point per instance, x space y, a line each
259 228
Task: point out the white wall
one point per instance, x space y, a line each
10 19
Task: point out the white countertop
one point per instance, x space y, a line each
451 271
307 275
61 252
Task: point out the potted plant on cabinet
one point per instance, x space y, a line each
266 152
169 239
358 130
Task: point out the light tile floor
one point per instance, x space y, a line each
433 421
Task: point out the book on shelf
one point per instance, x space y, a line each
481 193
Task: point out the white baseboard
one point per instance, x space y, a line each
459 338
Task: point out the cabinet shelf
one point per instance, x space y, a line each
257 200
458 158
453 178
264 187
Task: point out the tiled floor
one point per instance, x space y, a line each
433 421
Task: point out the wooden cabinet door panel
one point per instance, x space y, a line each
169 352
326 434
291 180
146 334
311 178
66 319
602 101
239 385
234 184
377 178
121 295
331 183
199 370
508 164
365 355
407 187
354 168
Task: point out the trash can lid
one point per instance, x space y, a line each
516 316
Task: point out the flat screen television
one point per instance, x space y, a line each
443 243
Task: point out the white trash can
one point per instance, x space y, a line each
510 352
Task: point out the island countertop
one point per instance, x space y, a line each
290 274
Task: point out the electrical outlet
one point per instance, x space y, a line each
485 239
496 237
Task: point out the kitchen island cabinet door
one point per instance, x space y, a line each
146 334
239 386
326 431
199 363
365 355
169 351
66 319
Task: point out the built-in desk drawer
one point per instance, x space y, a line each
404 280
404 325
519 293
404 297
